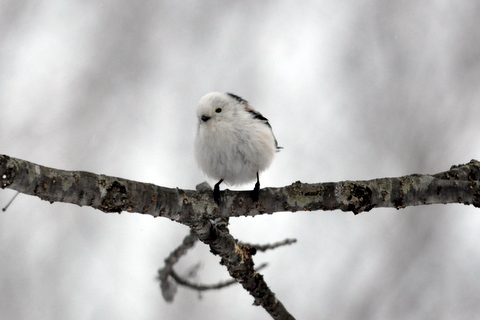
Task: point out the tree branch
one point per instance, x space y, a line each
460 184
197 209
238 260
271 246
204 287
168 288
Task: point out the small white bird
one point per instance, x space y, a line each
234 142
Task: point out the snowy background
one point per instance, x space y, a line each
353 90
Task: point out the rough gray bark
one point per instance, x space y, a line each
197 209
460 184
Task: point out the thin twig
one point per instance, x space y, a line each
205 287
167 287
10 202
271 246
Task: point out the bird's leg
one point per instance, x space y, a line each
216 192
256 190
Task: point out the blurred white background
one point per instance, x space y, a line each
353 90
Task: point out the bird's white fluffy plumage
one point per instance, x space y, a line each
233 142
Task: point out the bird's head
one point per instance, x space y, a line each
217 107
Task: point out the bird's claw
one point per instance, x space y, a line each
256 192
216 196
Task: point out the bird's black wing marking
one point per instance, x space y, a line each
257 115
239 99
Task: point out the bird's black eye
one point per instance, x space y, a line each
218 110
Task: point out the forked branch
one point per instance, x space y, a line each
197 210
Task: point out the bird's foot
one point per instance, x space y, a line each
216 192
256 192
216 196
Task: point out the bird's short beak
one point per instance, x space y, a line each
205 118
